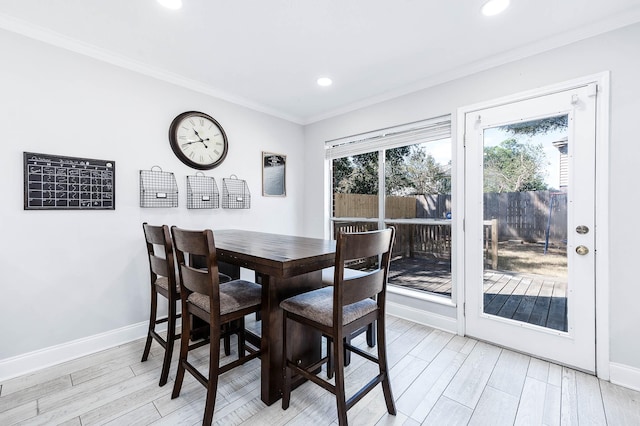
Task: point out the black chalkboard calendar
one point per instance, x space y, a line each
53 182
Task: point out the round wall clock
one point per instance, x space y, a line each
198 140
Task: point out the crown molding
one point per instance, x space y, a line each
53 38
56 39
564 39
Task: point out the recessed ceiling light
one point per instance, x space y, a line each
493 7
324 81
171 4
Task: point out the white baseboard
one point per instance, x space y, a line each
420 316
624 375
42 358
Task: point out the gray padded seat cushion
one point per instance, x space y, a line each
234 296
164 283
317 305
327 275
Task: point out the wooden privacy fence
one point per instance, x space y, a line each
362 205
520 215
434 206
527 215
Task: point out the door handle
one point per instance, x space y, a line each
582 229
582 250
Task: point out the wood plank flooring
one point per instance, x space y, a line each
437 378
534 299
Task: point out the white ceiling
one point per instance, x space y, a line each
267 54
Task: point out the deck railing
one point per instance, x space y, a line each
424 237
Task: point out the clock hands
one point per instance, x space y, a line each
201 140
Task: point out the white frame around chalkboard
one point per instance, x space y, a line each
55 182
274 175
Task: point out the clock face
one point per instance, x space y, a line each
198 140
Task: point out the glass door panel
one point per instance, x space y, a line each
525 183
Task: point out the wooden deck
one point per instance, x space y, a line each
534 299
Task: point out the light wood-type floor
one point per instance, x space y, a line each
437 379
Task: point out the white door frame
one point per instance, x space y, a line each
601 199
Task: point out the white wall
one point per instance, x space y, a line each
616 51
69 275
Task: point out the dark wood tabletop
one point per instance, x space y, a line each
276 255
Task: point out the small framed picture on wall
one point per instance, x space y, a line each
274 175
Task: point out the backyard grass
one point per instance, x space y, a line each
529 258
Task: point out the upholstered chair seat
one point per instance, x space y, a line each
318 304
234 296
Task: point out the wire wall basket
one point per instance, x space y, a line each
235 193
202 192
158 188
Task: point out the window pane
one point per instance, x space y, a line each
355 186
418 205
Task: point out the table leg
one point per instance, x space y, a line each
307 345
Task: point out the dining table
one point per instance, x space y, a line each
284 265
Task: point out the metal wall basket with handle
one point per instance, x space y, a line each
235 193
202 192
158 188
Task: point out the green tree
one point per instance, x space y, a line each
514 167
342 170
537 127
425 175
359 174
396 179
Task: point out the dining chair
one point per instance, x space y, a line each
163 282
216 304
337 311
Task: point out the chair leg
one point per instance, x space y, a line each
371 334
330 364
371 341
347 353
241 337
338 353
227 339
212 382
168 350
152 324
184 351
384 368
286 376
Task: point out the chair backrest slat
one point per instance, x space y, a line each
204 280
160 266
196 280
356 289
350 246
365 244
